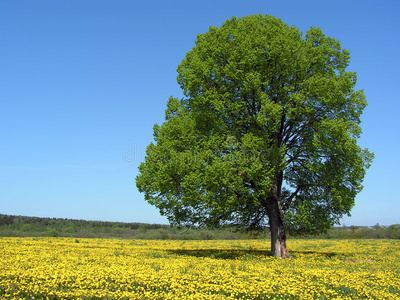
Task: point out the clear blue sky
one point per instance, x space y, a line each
83 82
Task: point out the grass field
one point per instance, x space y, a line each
68 268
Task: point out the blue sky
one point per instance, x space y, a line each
83 82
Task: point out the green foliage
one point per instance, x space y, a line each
388 232
269 125
45 227
14 226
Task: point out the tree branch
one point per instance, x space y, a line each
291 197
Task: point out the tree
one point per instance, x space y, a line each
266 135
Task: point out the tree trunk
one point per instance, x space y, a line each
278 234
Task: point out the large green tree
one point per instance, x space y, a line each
265 137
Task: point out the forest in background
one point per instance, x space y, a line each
22 226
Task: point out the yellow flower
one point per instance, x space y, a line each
116 269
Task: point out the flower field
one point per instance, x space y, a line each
66 268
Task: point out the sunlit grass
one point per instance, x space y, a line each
66 268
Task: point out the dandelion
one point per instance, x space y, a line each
36 268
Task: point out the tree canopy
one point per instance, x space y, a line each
265 135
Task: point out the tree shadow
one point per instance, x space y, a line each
242 253
222 253
320 253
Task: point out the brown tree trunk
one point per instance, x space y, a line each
278 234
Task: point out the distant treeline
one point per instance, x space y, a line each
20 226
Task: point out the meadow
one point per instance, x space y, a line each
70 268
